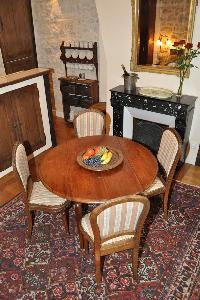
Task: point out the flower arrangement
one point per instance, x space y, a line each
186 53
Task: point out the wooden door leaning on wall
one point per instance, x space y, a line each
17 40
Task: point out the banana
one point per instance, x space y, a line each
104 156
108 158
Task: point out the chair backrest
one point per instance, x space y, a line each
121 216
89 122
20 164
170 150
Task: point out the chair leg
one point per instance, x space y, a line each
135 263
102 263
30 223
86 245
98 267
78 213
65 221
165 205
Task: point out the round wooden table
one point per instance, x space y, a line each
61 174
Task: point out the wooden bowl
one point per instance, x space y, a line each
116 160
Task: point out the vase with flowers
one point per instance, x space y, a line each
185 54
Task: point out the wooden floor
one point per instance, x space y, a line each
9 188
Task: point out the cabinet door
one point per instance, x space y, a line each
17 35
30 125
7 131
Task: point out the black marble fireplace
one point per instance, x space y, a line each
158 112
148 133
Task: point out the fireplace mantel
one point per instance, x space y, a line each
181 111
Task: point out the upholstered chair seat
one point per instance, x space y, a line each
156 187
36 195
89 122
168 156
115 226
41 196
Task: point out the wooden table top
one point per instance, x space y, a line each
61 174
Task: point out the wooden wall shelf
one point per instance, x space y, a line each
79 60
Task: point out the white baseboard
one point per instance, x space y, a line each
192 155
59 114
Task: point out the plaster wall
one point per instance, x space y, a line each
115 25
62 20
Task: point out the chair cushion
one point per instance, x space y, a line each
86 225
156 186
41 196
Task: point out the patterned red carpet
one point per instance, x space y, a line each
52 266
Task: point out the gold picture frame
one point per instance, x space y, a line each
134 66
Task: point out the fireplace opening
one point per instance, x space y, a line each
148 133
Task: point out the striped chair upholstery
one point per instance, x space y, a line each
168 155
22 165
36 195
115 226
41 196
156 186
115 220
89 122
168 149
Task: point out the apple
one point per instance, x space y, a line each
97 149
85 156
89 152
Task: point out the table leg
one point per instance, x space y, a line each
78 212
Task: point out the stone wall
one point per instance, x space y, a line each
172 23
62 20
174 18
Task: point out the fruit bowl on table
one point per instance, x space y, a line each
100 158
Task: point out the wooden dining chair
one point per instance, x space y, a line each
168 156
89 122
36 196
115 226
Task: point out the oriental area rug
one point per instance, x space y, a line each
52 266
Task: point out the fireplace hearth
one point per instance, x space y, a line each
151 113
148 133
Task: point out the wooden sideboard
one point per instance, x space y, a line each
78 92
25 114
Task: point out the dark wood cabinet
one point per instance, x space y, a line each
20 119
76 92
17 35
